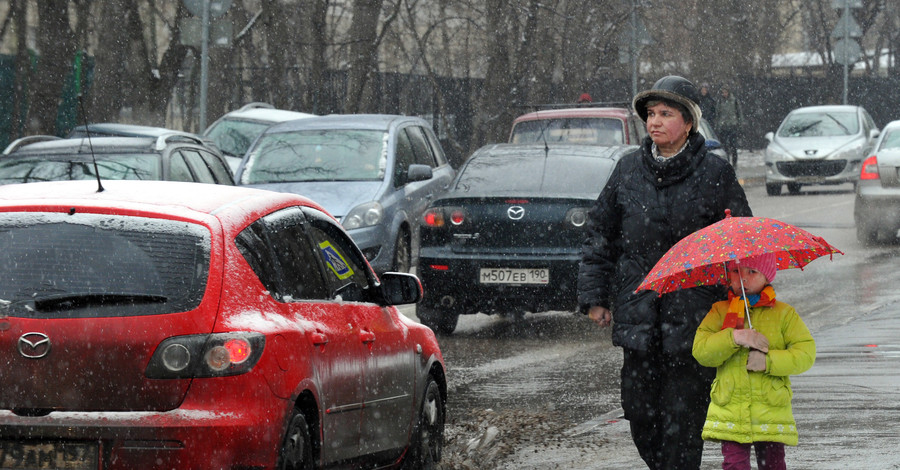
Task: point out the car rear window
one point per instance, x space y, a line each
89 265
535 174
580 130
826 124
31 169
235 137
317 155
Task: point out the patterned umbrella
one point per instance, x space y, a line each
699 258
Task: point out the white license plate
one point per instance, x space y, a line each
514 276
810 179
67 455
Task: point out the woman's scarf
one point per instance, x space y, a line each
734 317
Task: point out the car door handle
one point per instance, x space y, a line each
318 338
366 337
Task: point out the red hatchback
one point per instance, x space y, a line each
176 325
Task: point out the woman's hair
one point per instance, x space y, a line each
672 104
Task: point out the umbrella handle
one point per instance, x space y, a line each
746 302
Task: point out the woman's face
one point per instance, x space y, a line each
667 127
754 281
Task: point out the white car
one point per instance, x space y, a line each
818 145
234 132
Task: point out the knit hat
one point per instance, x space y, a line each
764 263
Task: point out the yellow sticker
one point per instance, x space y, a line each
335 261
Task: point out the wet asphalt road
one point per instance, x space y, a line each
542 392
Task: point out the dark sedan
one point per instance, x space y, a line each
507 237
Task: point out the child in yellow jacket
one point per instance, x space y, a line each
751 395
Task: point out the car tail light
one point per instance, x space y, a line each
213 355
437 217
869 169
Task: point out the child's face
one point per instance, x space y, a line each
754 281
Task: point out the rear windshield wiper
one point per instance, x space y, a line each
60 302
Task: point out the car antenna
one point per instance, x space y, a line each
91 145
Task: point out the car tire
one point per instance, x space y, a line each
428 435
296 450
439 320
773 189
794 188
402 253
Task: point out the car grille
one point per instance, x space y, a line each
813 168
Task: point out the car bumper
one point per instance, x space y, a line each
245 436
876 207
456 282
813 172
377 245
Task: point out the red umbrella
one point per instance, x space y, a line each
699 258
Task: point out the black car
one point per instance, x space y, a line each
172 156
507 236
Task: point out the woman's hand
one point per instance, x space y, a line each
751 339
601 315
756 361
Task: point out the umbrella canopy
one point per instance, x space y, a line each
699 258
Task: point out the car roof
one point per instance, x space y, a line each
128 130
346 121
267 115
190 201
555 150
604 112
85 145
826 108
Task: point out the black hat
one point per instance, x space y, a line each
671 88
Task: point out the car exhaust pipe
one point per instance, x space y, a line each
447 301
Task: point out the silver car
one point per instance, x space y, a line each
376 173
877 205
818 145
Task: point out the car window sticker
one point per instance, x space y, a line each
335 261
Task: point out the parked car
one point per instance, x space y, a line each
713 143
161 325
171 156
375 172
234 132
876 208
598 126
507 236
818 145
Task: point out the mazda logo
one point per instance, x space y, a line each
515 212
34 345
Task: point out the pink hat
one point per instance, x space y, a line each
764 263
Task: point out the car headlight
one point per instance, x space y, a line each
363 215
852 152
775 152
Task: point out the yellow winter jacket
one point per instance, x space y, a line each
750 406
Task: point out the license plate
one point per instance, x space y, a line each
40 455
514 276
811 179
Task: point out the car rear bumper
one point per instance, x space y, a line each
876 206
243 437
456 283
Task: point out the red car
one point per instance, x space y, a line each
176 325
596 126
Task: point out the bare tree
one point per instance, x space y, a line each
57 45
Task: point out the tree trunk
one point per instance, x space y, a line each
19 10
314 47
57 47
110 85
492 104
363 36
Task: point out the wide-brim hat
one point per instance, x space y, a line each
674 89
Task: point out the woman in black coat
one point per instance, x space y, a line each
657 195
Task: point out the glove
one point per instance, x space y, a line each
751 339
756 361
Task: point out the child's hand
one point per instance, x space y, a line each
756 361
751 339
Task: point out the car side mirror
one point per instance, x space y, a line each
418 172
400 289
770 136
713 144
874 133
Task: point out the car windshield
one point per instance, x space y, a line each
581 130
318 155
89 265
830 124
31 169
235 137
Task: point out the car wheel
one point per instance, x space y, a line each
793 188
773 189
402 254
428 435
296 450
439 320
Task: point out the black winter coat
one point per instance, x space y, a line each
645 208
